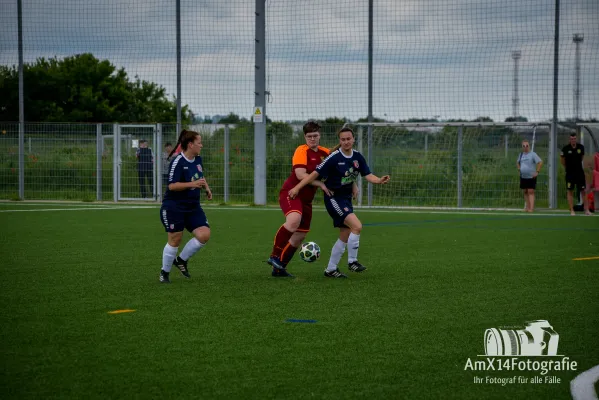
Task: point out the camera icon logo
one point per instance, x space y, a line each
536 338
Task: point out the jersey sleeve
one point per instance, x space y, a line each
324 167
536 158
364 168
562 153
175 171
324 150
582 148
300 157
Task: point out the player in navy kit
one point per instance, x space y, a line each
339 171
181 205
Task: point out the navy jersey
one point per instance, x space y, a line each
339 171
184 170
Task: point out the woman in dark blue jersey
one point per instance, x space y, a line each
339 171
181 207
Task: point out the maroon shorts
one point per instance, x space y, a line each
296 205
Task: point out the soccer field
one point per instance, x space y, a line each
404 329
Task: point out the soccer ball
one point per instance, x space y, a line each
309 252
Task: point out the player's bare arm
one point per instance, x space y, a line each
307 180
376 180
301 173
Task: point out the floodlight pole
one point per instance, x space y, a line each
516 55
578 39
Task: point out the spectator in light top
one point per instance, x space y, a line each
529 164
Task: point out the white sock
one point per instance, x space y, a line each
168 256
336 254
192 247
353 243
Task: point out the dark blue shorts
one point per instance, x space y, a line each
176 220
338 208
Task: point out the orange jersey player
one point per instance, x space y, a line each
298 211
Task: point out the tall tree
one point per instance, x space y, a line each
81 88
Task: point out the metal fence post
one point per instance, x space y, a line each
459 165
260 164
159 166
370 159
99 151
115 162
361 150
226 174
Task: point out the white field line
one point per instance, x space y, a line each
72 207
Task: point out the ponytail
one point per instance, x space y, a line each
178 143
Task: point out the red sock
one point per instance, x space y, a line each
281 239
287 253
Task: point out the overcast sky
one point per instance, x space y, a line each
432 58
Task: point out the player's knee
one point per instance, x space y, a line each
203 235
293 222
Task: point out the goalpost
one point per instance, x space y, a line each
465 165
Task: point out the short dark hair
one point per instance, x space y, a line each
311 126
573 134
143 141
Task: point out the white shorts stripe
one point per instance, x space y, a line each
164 219
336 207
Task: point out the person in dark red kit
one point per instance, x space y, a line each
298 211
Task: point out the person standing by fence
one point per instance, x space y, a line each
529 164
145 166
571 158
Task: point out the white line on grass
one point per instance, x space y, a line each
272 208
75 209
583 386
